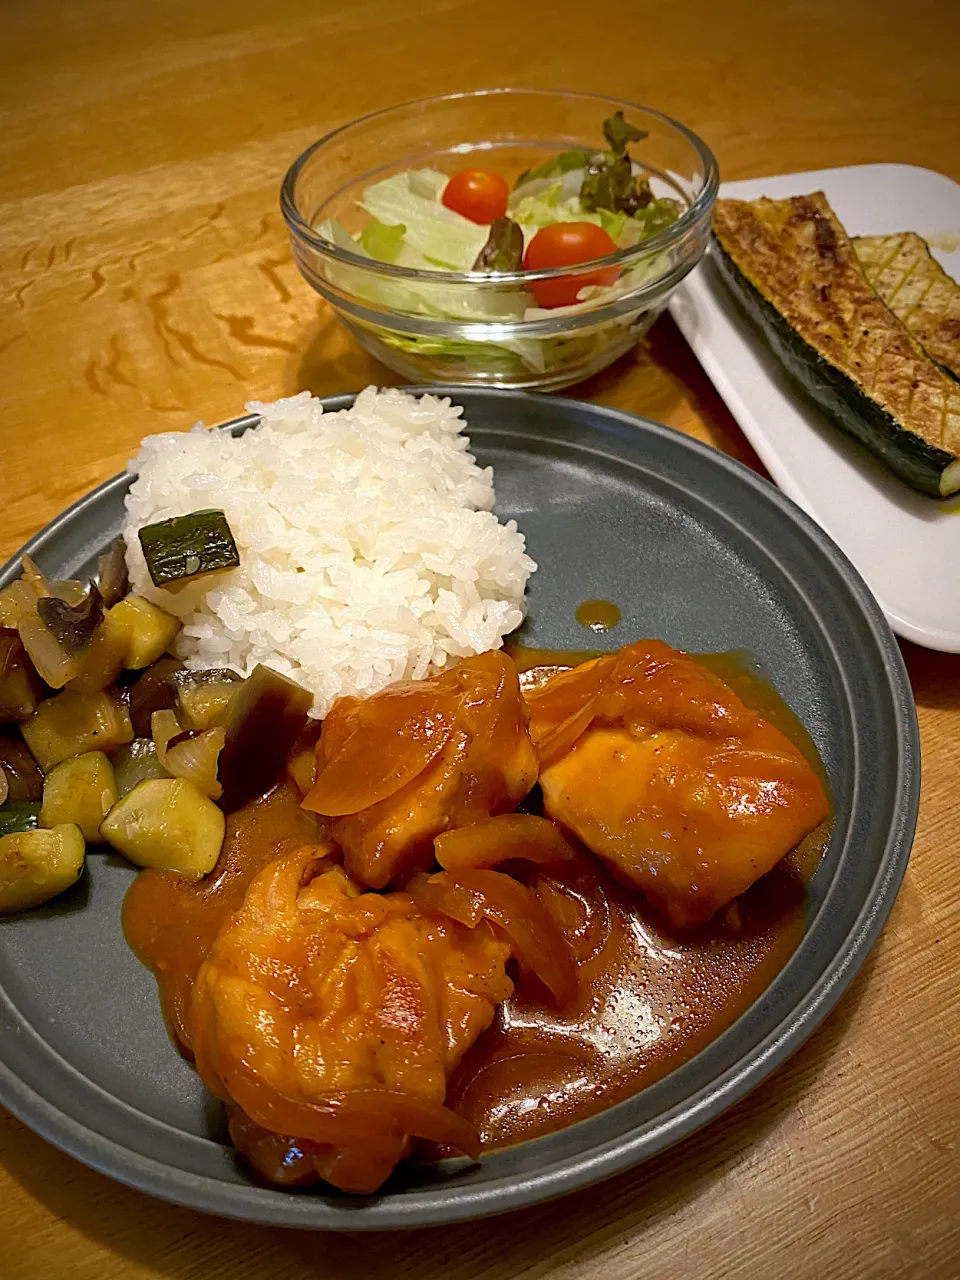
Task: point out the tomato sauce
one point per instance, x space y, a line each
598 615
170 923
648 998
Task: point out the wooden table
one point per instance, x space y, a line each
147 283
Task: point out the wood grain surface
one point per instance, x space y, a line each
146 283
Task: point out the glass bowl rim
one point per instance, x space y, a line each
687 220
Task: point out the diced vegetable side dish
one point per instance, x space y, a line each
577 207
105 738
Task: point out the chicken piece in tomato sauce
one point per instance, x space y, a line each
420 758
329 1019
668 777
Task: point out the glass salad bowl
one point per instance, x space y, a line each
371 234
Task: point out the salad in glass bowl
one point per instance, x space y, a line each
488 253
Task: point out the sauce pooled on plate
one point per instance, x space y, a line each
648 998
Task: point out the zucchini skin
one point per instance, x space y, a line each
184 547
16 816
904 452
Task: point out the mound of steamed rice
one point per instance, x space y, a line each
368 548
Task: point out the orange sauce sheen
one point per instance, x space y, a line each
648 998
598 615
170 923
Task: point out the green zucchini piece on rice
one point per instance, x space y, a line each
186 546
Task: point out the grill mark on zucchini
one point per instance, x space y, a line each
917 290
795 270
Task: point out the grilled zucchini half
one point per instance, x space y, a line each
794 269
916 289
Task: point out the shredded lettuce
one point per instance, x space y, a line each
561 163
659 214
550 206
332 229
382 242
412 200
543 210
508 356
593 295
515 359
553 204
439 301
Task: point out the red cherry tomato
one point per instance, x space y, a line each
564 244
477 194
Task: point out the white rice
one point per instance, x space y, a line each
368 548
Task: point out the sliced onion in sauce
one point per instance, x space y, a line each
348 1115
164 726
536 942
559 740
189 754
53 664
510 835
366 756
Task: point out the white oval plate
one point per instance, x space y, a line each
906 546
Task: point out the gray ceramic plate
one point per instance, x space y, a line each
695 549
